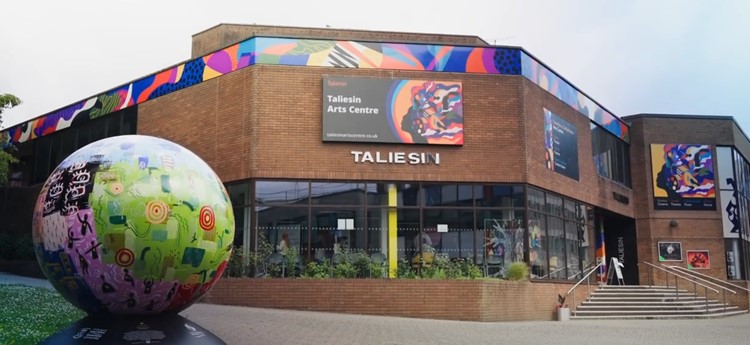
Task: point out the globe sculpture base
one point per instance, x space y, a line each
163 329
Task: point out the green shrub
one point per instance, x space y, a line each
360 260
404 270
518 271
345 270
433 272
291 258
238 263
377 270
316 270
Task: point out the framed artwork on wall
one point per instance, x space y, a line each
670 251
698 259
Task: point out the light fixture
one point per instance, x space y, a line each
673 223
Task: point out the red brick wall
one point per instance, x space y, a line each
470 300
265 122
212 119
696 230
590 188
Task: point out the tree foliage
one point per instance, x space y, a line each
7 101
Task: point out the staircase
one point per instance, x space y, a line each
654 302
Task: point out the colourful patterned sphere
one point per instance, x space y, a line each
133 225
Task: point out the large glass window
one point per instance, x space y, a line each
502 233
281 192
498 195
337 193
449 231
557 255
557 232
323 218
239 194
338 229
52 149
538 245
734 177
407 194
408 241
611 155
447 195
289 224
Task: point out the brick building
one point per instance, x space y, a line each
401 144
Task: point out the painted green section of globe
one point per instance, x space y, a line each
133 225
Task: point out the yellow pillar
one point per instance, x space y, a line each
392 230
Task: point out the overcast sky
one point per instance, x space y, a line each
677 57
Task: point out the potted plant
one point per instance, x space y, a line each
563 312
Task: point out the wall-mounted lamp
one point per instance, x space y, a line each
673 224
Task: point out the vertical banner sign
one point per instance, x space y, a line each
561 144
393 111
683 177
601 255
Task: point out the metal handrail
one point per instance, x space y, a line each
678 275
691 279
710 277
588 285
558 270
584 278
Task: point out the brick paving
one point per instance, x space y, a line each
243 325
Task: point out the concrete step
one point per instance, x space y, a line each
653 307
640 294
644 299
654 302
658 317
631 288
652 312
672 303
634 287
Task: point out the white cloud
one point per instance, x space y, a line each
632 57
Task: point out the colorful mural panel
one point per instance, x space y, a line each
392 111
552 83
698 259
683 177
318 53
133 225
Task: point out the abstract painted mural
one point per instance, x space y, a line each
319 53
683 177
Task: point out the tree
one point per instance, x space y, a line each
7 101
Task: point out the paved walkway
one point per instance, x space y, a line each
241 325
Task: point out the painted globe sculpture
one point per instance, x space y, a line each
133 225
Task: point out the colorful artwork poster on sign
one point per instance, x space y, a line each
393 111
561 144
683 177
670 251
698 259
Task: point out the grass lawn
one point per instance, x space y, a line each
29 315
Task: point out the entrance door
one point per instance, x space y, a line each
621 243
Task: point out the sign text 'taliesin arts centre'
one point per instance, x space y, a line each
392 111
